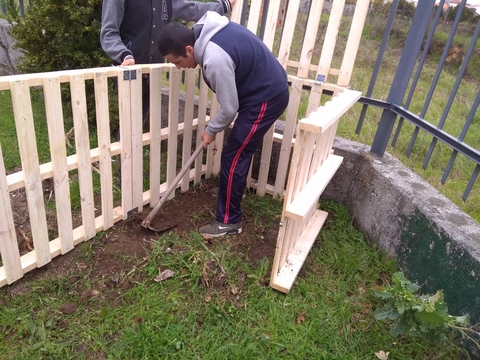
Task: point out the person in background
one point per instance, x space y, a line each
130 29
247 79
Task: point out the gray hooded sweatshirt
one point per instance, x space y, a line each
237 66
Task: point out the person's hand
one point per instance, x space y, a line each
232 2
207 139
127 62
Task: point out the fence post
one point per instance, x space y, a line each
402 76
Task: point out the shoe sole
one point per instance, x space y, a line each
211 236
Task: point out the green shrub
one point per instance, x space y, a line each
58 35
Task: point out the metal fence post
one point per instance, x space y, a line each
404 71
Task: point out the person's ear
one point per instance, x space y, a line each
189 49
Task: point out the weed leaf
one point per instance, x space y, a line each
387 312
429 319
399 327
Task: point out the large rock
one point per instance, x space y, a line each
8 55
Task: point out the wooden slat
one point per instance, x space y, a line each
215 148
310 41
236 14
285 231
353 42
292 233
284 279
287 137
202 115
137 143
250 181
326 115
323 148
188 122
254 15
311 192
271 23
294 164
279 247
27 144
304 163
288 32
10 254
173 102
331 36
58 152
219 139
36 79
265 159
125 122
105 157
82 146
155 134
315 97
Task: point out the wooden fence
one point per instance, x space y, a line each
312 74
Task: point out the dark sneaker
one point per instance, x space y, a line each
217 229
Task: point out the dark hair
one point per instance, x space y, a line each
174 38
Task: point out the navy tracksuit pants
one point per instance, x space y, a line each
250 127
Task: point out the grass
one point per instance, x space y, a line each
327 315
455 116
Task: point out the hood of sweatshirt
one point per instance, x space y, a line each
207 26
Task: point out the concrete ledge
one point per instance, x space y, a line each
435 243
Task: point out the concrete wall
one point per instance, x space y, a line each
435 243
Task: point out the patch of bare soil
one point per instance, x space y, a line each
124 247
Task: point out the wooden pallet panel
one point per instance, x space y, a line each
58 153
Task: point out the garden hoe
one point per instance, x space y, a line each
146 222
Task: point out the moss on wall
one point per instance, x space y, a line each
427 255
